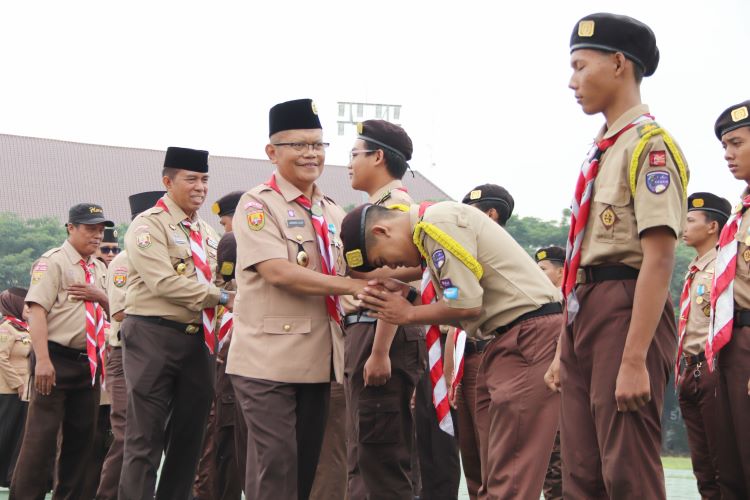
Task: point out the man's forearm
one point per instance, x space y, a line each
38 332
438 313
303 281
384 334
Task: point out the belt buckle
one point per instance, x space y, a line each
581 276
191 329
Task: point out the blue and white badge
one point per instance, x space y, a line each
438 258
451 293
701 289
658 181
331 228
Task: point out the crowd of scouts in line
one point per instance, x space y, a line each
354 354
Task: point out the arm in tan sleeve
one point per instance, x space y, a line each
115 292
154 266
11 376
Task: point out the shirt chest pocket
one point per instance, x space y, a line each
180 258
613 216
702 290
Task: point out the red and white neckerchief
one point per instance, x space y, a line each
459 346
684 314
225 327
17 322
579 215
203 272
722 289
327 260
435 350
95 342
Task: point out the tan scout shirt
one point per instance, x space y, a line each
696 331
279 335
512 283
391 194
616 220
157 244
117 286
15 347
51 276
742 273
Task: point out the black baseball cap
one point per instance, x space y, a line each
88 213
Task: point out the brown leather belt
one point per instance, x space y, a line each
56 349
741 318
187 328
475 346
545 310
597 274
353 319
694 359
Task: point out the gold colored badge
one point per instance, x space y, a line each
360 128
354 258
302 258
586 28
698 203
475 195
746 255
608 218
739 114
707 310
181 267
699 300
114 233
256 220
747 241
215 208
314 108
541 255
227 268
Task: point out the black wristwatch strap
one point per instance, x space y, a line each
412 295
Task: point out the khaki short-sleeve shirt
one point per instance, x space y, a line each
696 330
51 276
742 272
393 193
617 219
511 285
279 335
15 347
117 287
162 279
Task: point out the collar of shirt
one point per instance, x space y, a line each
627 117
704 260
290 192
73 254
394 184
176 213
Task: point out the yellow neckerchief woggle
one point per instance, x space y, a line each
444 240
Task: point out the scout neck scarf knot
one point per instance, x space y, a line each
20 325
579 215
95 348
327 260
722 290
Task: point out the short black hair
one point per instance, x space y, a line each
712 216
637 72
169 172
375 214
395 164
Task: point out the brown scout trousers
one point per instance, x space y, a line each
468 438
380 424
285 427
517 415
72 404
218 476
169 377
115 374
605 453
330 475
697 396
733 416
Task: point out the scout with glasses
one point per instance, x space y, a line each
287 344
482 281
109 247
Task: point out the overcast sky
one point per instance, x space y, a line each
483 85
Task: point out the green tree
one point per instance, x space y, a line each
21 243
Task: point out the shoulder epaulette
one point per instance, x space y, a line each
51 252
384 198
646 132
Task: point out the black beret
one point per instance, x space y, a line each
88 213
614 33
353 238
227 204
386 135
553 253
299 114
140 202
195 160
226 255
733 118
110 235
494 193
709 202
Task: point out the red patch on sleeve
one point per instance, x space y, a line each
657 158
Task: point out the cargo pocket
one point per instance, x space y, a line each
378 421
614 218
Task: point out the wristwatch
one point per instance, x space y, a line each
412 295
223 298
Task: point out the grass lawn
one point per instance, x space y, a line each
677 463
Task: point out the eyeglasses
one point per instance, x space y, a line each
112 250
303 147
353 153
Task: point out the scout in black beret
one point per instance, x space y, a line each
551 260
493 200
110 235
109 246
353 237
140 202
226 256
299 114
732 118
715 208
225 207
379 155
194 160
614 33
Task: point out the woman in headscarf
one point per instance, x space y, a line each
15 347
